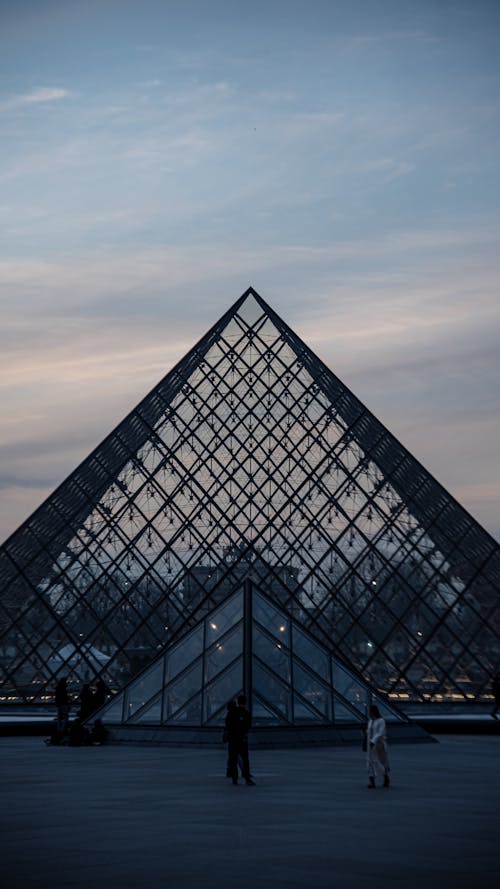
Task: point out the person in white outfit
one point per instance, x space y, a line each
377 757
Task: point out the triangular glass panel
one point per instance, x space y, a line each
188 715
312 654
224 618
144 689
184 653
223 689
218 656
151 714
179 691
272 653
263 714
304 715
350 688
269 688
342 713
272 619
316 693
112 713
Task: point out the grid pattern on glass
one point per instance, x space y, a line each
251 456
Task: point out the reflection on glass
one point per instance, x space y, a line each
222 653
114 710
273 620
272 653
224 618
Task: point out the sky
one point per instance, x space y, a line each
158 158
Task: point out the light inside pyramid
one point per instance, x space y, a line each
251 456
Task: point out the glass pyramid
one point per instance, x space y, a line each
247 645
251 452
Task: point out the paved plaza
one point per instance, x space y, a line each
134 817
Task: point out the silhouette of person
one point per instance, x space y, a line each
231 707
495 688
377 759
99 696
237 727
86 702
62 704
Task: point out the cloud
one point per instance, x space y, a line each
40 95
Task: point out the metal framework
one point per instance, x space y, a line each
251 450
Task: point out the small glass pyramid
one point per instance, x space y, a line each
250 645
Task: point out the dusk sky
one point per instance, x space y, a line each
157 158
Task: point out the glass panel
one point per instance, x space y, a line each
151 714
113 712
184 653
272 690
220 621
224 689
303 714
262 715
350 688
144 689
273 620
314 656
182 689
343 714
272 653
188 715
222 653
314 692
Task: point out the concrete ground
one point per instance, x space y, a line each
132 817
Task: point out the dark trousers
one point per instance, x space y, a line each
238 748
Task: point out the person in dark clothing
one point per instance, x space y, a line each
62 704
495 687
86 702
237 727
231 707
99 697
